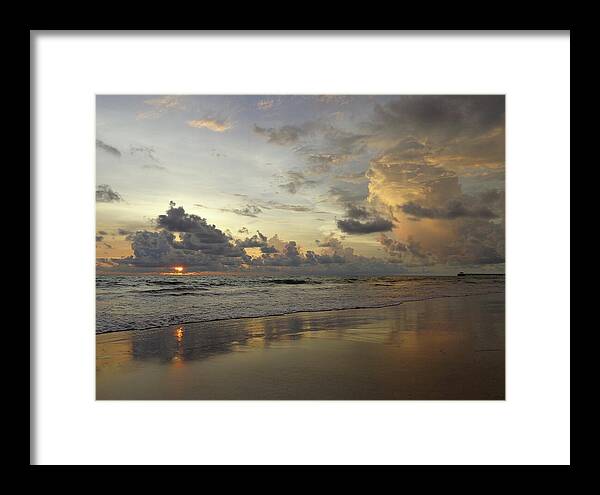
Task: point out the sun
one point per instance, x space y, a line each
178 269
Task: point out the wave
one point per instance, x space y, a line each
295 311
289 281
170 290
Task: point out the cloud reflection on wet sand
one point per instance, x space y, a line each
451 348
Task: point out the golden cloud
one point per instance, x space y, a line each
211 124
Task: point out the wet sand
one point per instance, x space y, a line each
447 348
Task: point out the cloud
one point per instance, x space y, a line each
146 151
321 163
199 230
353 177
105 194
188 240
160 106
322 145
351 226
210 124
426 170
247 211
257 240
461 133
439 115
452 210
287 134
357 212
397 182
344 143
288 255
199 245
167 102
331 147
433 143
108 148
410 253
345 196
297 181
287 207
124 232
99 238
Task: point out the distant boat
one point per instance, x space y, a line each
461 274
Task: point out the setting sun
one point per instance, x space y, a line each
178 269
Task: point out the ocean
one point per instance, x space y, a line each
135 302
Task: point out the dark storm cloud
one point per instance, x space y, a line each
196 234
453 113
289 255
152 249
163 249
351 226
105 194
452 210
257 240
177 220
200 245
108 148
436 149
357 212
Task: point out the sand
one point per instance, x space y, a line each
447 348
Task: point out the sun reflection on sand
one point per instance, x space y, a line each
424 350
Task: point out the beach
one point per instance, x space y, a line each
443 348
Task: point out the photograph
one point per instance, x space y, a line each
300 247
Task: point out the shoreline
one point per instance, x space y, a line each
449 348
393 305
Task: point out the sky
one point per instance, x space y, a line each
306 184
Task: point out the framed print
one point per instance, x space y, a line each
300 248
